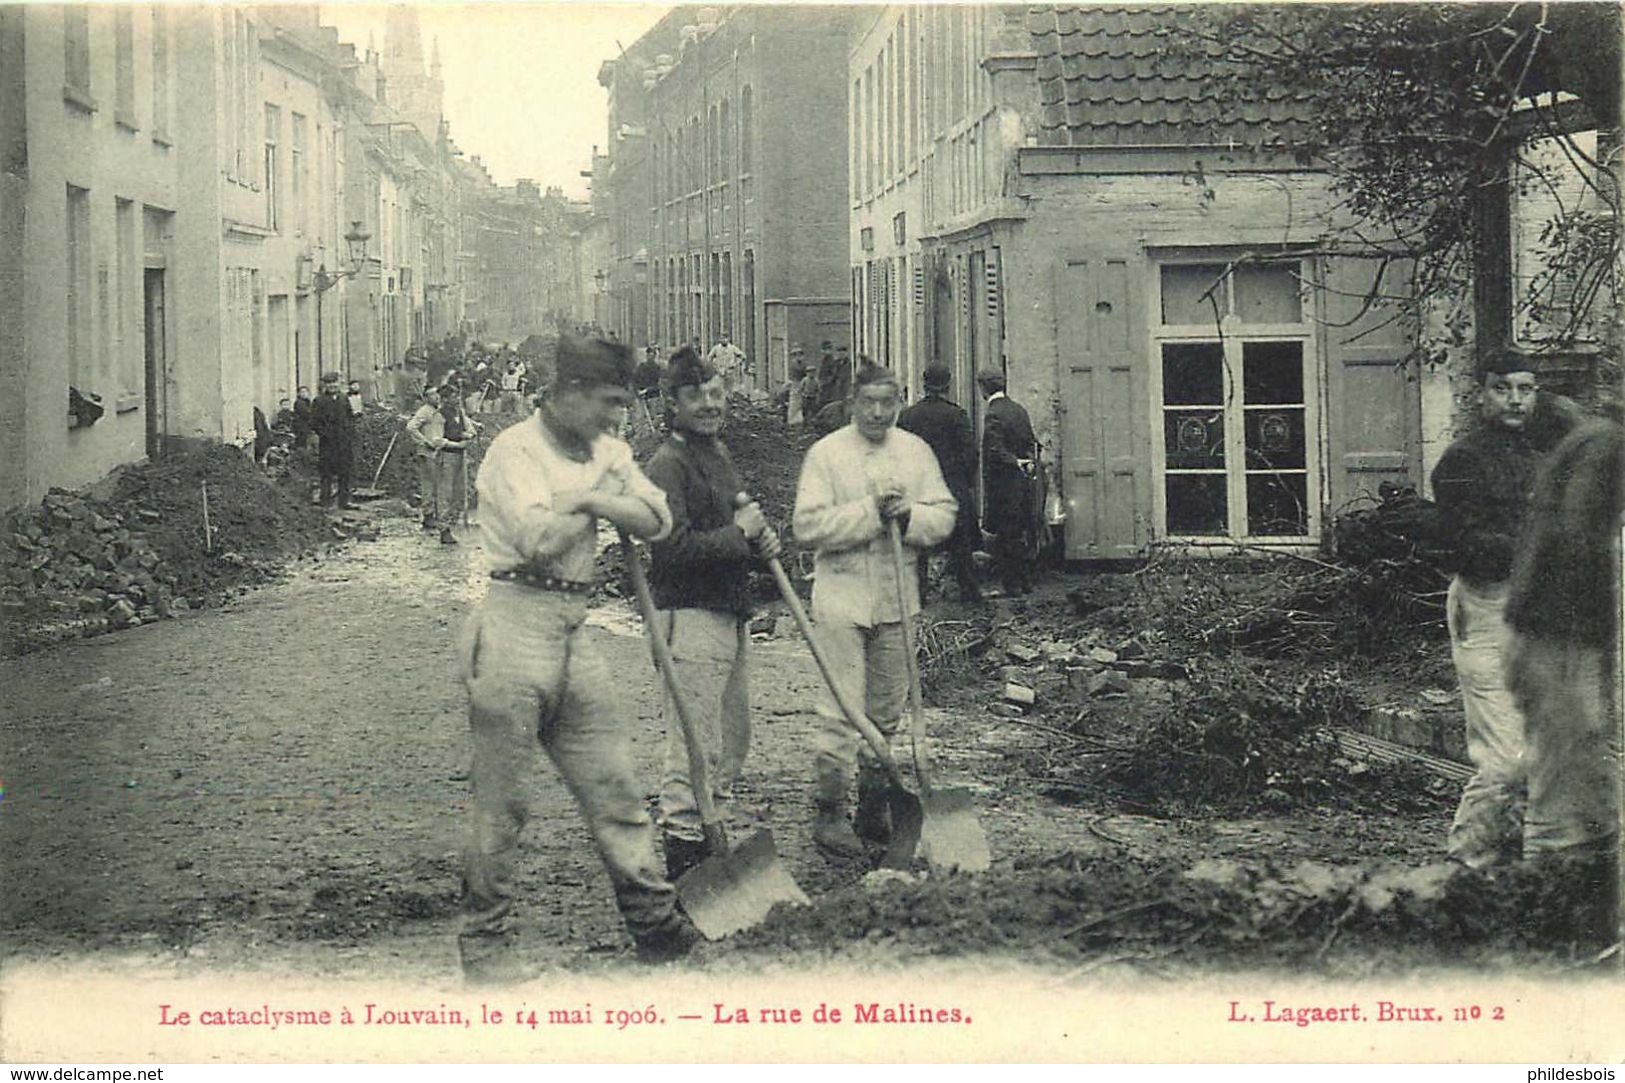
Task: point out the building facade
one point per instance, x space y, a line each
90 210
1041 192
203 208
726 132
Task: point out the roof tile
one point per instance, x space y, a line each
1111 73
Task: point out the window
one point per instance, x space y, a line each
273 122
747 330
1235 369
80 258
296 174
728 294
76 50
747 131
128 270
124 66
1564 281
160 71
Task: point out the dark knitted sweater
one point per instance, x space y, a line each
705 562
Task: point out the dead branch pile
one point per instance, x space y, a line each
1383 583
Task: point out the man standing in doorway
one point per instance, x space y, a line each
531 672
856 481
942 424
700 577
1009 468
334 425
1483 485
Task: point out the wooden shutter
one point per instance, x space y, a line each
1373 402
1104 452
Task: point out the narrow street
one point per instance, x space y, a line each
268 785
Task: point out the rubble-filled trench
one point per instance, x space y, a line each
1157 795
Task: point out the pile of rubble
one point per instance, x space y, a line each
1098 665
138 546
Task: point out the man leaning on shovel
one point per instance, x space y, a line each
532 674
700 578
854 482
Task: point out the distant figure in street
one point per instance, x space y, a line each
334 426
729 361
1564 610
284 419
262 437
945 426
436 488
1483 485
357 406
1009 470
303 409
510 388
795 390
459 429
853 483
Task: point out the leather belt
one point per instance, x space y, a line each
538 581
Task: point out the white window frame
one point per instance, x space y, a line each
1231 333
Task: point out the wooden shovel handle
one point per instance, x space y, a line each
916 710
699 780
871 732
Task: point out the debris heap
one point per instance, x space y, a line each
133 548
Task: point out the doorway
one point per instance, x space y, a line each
156 352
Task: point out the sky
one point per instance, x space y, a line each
521 78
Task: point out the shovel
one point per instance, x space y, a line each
907 814
372 492
906 811
952 838
728 891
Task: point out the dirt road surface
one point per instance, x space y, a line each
268 785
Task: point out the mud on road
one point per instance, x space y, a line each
269 784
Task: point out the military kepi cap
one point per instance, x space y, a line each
588 361
1502 362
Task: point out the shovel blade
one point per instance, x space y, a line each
729 892
907 822
952 839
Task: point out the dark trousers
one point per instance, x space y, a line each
335 472
961 566
1014 559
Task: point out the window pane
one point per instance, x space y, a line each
1196 504
1193 439
1277 505
1271 372
1268 294
1192 374
1182 290
1275 439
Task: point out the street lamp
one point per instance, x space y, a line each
356 244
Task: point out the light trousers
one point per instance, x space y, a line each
533 675
711 652
1488 825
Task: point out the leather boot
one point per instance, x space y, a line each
832 831
872 822
681 854
672 940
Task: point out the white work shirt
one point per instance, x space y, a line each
725 358
836 515
523 471
427 428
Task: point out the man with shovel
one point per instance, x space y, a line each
855 481
700 578
532 674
